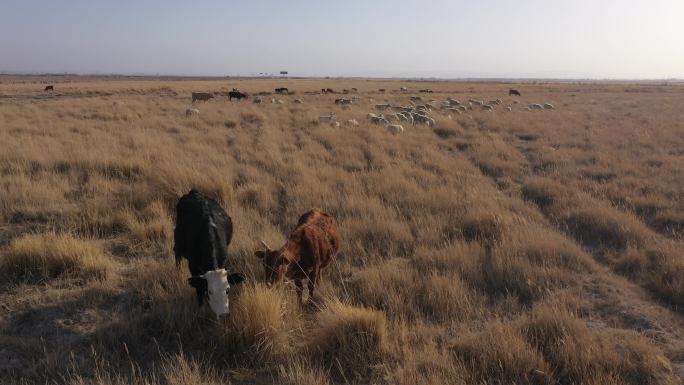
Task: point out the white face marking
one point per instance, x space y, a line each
217 283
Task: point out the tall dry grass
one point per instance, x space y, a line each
465 244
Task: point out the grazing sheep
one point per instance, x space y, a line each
379 120
548 106
394 128
191 111
536 106
335 124
326 118
352 122
509 109
403 89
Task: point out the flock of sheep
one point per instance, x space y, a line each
415 112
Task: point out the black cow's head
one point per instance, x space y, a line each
215 285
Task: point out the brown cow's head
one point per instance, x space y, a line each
275 263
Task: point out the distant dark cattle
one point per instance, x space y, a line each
202 234
313 244
203 96
237 94
49 88
282 90
513 92
427 91
382 90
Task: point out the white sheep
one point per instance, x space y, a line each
548 106
191 111
326 118
394 128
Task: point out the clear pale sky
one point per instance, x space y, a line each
440 38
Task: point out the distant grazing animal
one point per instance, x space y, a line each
335 124
326 118
343 101
509 109
381 90
403 89
203 96
426 90
256 100
298 101
191 111
312 245
536 107
379 120
49 88
548 106
352 122
282 90
486 107
327 90
345 91
237 94
394 128
202 234
354 89
415 98
513 92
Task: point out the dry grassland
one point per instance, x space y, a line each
524 247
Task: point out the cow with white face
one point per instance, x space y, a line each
202 234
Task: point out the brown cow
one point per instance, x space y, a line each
313 244
513 92
49 88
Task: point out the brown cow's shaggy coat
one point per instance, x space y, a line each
313 244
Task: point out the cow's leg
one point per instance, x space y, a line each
313 281
300 289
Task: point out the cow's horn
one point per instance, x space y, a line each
265 245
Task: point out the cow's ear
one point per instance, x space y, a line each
236 278
260 254
196 281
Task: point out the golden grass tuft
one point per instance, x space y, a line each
39 257
351 339
261 324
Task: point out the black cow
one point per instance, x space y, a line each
282 90
513 92
237 94
203 232
49 88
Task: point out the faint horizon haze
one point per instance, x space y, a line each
610 39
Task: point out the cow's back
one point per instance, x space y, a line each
195 237
319 230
